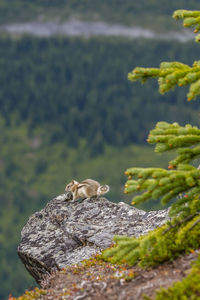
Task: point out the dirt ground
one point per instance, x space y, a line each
97 280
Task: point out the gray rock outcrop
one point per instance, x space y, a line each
67 232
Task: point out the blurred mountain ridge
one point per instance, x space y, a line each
142 13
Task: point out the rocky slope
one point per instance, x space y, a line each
66 232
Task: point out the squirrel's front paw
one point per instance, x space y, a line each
69 196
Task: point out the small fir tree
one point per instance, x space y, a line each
180 182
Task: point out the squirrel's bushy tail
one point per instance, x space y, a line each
103 189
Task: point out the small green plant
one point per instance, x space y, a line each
30 295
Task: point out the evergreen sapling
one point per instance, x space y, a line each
180 182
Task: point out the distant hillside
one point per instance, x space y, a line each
78 88
128 12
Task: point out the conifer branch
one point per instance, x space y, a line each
190 18
170 75
182 179
169 137
194 224
160 183
155 183
178 223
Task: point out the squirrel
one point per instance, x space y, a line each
86 189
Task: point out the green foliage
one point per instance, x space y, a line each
171 74
179 235
164 243
182 233
30 295
172 136
163 184
190 18
188 288
175 73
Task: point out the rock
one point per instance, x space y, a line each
66 232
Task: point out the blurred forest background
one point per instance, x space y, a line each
68 111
